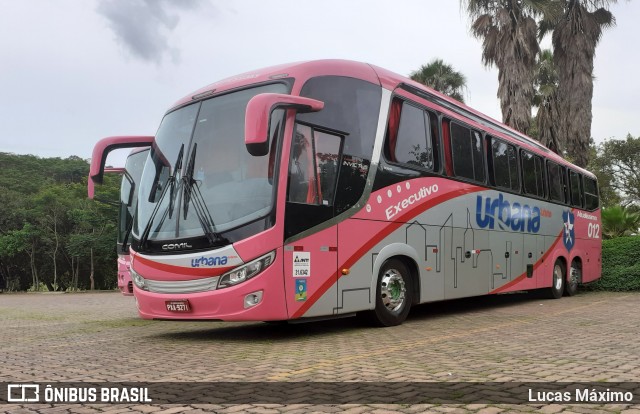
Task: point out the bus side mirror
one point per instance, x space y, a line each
259 108
103 148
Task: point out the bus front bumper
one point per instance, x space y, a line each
258 299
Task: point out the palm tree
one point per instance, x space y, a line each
509 41
575 37
442 77
545 84
619 221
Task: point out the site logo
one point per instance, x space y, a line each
513 216
569 234
209 261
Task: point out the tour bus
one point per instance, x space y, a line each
331 188
131 174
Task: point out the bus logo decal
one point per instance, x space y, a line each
569 238
424 192
209 261
514 216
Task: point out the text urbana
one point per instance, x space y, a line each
581 395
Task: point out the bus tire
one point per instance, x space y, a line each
558 281
571 286
394 294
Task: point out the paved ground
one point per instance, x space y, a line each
508 338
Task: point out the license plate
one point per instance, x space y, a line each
178 306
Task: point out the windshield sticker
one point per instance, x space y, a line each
301 290
302 264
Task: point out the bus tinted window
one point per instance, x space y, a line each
313 167
413 142
557 182
505 165
576 189
351 106
591 194
466 150
532 173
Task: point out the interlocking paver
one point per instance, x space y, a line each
98 337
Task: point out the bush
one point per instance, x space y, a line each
620 265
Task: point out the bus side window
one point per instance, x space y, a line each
557 182
412 143
592 201
575 186
446 138
467 153
504 165
392 130
532 174
435 140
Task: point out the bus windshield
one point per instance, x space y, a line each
199 179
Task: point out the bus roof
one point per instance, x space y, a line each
301 71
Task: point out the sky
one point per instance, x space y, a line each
74 71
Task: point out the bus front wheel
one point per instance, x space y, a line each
393 294
557 284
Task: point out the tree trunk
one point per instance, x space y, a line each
91 273
55 253
77 273
34 269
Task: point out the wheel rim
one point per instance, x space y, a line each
557 277
392 290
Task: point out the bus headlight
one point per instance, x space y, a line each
138 280
246 271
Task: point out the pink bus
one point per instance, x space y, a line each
331 188
131 174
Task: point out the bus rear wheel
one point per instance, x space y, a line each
393 294
575 276
557 284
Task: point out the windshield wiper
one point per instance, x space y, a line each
171 185
192 191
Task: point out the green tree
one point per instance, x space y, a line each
25 240
600 165
93 241
43 241
619 221
620 159
545 85
508 31
52 203
442 77
576 34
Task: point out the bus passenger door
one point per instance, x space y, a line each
310 255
